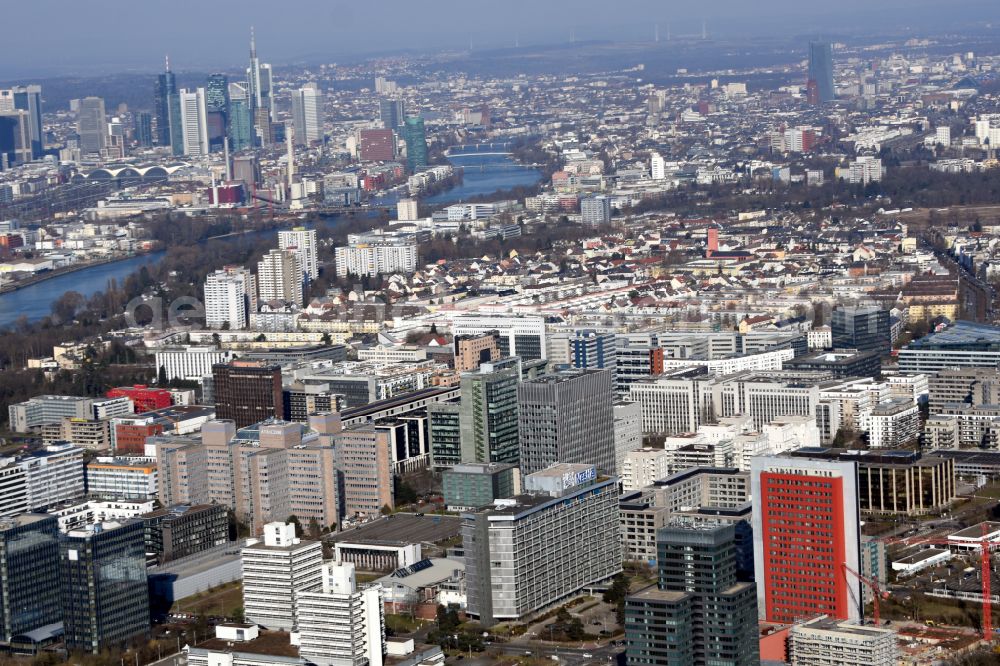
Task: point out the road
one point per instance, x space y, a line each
568 655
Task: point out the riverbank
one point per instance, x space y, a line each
8 288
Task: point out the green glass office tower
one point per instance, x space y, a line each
489 415
105 596
29 574
240 123
416 143
176 126
698 613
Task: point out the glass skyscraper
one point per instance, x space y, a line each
29 574
144 128
105 596
699 613
240 124
821 69
166 86
391 112
416 143
29 98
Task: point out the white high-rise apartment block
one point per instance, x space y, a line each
230 298
194 122
302 242
279 276
340 624
942 135
658 167
407 210
275 571
375 254
866 169
307 114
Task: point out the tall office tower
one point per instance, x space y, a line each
558 538
489 414
29 99
698 613
267 88
364 470
144 129
275 570
217 110
567 417
806 535
307 114
247 392
194 122
861 328
302 242
92 125
391 112
279 276
230 298
253 77
176 124
166 87
217 93
339 623
821 70
29 574
15 138
263 129
105 596
416 143
239 121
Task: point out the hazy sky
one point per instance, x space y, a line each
54 37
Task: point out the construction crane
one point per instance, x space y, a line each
986 546
877 592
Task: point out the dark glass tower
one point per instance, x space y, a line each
861 328
699 613
144 128
29 98
166 86
29 574
416 143
105 596
391 112
821 70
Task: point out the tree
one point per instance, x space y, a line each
404 493
161 376
66 306
315 531
294 520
